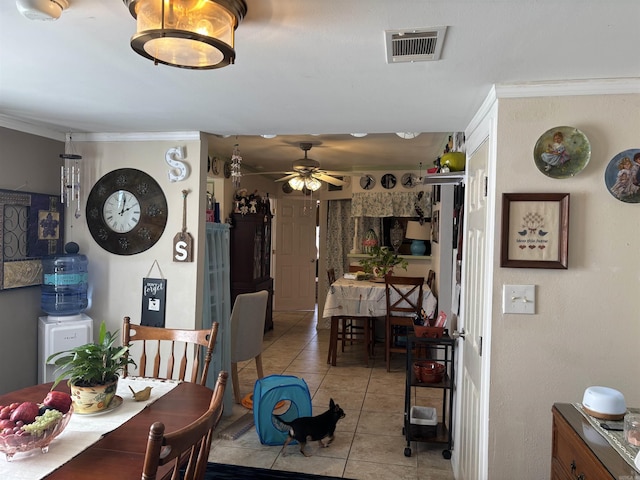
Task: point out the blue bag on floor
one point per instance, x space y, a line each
284 395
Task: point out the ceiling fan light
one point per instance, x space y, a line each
297 183
194 34
312 184
407 135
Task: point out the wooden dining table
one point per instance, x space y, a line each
365 300
120 453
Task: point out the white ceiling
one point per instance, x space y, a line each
309 66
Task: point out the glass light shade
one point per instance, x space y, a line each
297 183
195 34
312 184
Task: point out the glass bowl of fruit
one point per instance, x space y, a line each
29 426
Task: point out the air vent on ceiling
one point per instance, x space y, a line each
414 45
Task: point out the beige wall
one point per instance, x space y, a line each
587 326
116 281
27 163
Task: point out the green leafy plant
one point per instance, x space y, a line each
94 363
381 261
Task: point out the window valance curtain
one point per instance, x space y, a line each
390 204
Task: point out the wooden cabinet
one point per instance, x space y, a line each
251 258
580 452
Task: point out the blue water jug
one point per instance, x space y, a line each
64 289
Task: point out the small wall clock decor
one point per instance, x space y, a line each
126 211
622 176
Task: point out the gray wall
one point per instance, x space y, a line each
34 161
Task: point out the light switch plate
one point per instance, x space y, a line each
519 299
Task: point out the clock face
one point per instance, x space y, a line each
227 169
126 211
367 182
121 211
388 181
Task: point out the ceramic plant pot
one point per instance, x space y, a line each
93 399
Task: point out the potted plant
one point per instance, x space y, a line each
92 371
382 261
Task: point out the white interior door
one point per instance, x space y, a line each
471 418
296 255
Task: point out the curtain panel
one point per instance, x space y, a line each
391 204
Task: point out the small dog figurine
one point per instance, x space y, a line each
315 428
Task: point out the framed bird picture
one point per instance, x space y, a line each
535 230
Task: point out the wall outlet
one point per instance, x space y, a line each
519 299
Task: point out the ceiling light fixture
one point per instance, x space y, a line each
41 9
408 135
194 34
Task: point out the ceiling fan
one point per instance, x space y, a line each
307 174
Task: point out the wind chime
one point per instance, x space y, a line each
70 177
236 161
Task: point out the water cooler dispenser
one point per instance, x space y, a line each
56 334
64 298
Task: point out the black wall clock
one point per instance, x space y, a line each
126 211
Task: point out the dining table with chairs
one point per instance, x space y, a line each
363 300
111 444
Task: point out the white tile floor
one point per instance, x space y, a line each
369 443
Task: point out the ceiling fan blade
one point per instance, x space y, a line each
288 177
329 179
281 172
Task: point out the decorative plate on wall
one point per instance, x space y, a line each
409 180
367 182
388 181
562 152
622 176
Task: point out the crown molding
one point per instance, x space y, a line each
136 136
33 129
603 86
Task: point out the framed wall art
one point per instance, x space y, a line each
31 227
535 230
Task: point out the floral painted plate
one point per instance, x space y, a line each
116 402
622 176
562 152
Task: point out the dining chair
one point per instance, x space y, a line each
431 280
331 275
247 331
179 349
404 301
188 447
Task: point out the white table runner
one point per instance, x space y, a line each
83 431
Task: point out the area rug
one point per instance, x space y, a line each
218 471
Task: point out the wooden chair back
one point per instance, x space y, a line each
331 275
404 301
431 280
183 348
404 295
187 448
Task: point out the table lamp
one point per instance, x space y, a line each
418 233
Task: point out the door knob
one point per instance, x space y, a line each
459 334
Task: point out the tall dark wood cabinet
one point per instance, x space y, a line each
251 258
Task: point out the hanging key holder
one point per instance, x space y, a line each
183 241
